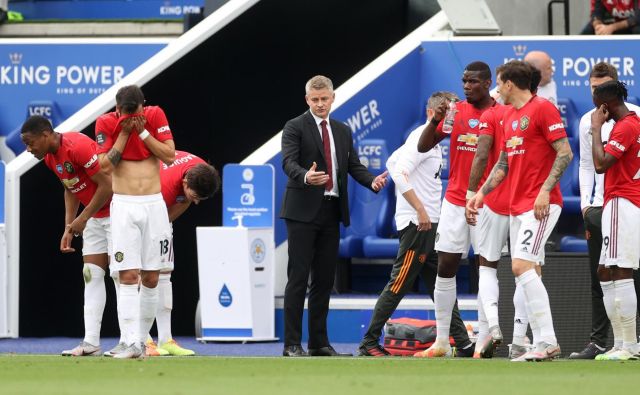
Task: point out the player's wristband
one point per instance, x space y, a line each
144 134
470 194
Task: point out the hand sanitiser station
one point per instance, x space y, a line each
236 261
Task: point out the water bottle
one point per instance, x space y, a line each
447 126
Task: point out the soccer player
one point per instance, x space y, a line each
417 179
493 235
536 153
454 235
130 142
620 159
187 180
72 157
592 214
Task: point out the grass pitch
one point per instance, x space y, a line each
22 374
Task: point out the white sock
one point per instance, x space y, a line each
116 285
165 304
626 304
444 296
95 297
520 317
538 301
483 325
148 307
489 292
609 300
129 313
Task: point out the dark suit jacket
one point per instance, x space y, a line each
301 146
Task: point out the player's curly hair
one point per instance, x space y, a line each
483 69
611 91
203 179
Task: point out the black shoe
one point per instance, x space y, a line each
375 351
465 352
589 352
3 16
327 351
294 351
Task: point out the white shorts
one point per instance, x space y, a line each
141 232
454 234
620 234
170 260
528 235
493 232
96 238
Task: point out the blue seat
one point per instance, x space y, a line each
570 188
47 108
570 116
366 206
573 244
445 145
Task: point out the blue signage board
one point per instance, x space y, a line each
57 79
107 9
247 195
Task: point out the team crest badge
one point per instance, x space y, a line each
422 258
59 168
69 167
473 123
514 125
524 123
119 256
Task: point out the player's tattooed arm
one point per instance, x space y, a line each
485 142
114 156
563 158
498 174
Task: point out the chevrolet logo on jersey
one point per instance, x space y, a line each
469 138
70 182
514 141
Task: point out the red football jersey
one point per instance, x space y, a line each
623 178
528 134
463 145
491 125
171 177
108 127
74 164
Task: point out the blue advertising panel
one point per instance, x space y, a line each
61 78
107 9
573 60
247 196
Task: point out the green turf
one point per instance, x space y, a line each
22 374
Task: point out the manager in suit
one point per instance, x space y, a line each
317 154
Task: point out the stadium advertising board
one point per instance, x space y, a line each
62 76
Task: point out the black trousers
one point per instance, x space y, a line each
313 251
599 321
416 256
